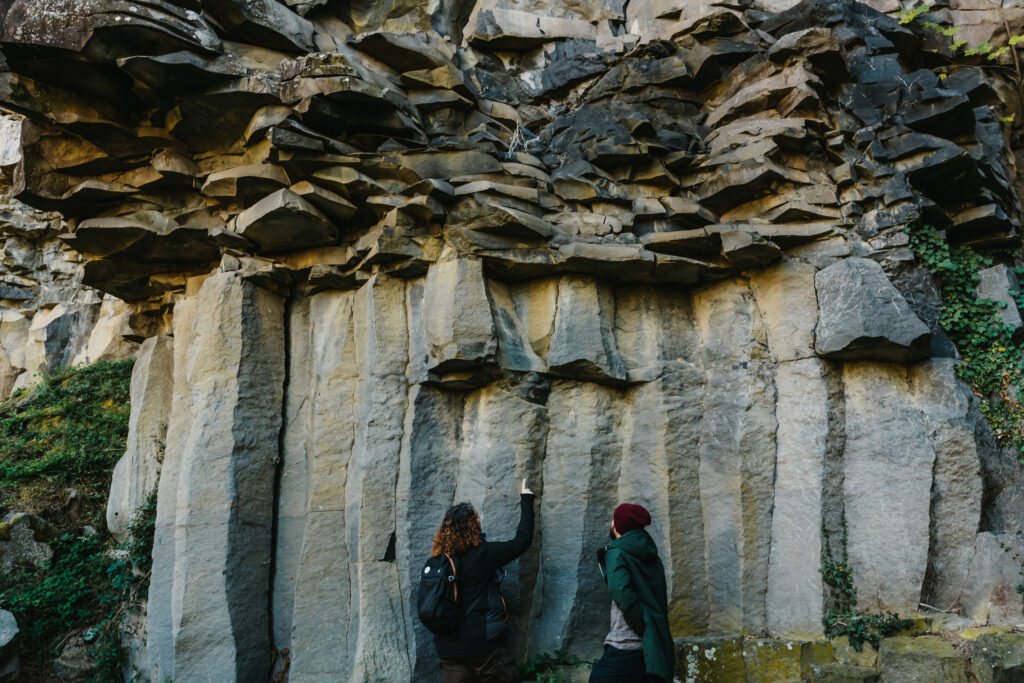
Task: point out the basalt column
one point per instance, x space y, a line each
215 507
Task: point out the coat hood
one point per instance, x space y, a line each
637 543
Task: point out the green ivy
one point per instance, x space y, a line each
83 584
842 618
992 362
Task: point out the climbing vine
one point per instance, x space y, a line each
842 618
992 361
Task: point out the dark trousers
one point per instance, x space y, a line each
621 666
497 666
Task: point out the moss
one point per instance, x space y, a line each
710 659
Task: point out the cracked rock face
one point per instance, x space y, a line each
411 251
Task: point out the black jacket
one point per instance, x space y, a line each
485 617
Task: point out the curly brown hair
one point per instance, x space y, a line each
459 531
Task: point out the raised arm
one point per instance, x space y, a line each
502 552
620 588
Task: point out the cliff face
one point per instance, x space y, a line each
417 251
47 319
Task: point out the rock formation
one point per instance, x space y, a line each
387 256
47 319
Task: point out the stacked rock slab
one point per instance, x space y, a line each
416 253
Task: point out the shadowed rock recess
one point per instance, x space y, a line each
382 257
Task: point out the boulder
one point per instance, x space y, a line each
284 221
459 328
990 595
583 340
862 316
74 662
998 657
9 665
1000 284
709 658
23 542
843 673
921 659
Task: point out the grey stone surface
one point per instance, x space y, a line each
786 297
998 657
1000 284
862 315
575 515
136 473
460 329
844 673
737 455
887 482
230 443
957 491
24 542
925 658
663 428
794 599
8 629
583 342
159 618
990 595
74 663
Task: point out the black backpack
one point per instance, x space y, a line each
437 599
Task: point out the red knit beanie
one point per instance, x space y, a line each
628 517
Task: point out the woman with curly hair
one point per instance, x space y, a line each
478 650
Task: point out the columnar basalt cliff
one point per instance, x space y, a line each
386 256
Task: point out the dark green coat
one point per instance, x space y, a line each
636 582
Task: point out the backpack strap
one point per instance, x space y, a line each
455 576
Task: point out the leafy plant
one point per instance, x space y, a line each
842 618
992 362
545 666
69 430
909 15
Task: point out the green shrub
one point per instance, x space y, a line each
69 430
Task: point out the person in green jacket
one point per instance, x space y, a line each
639 643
